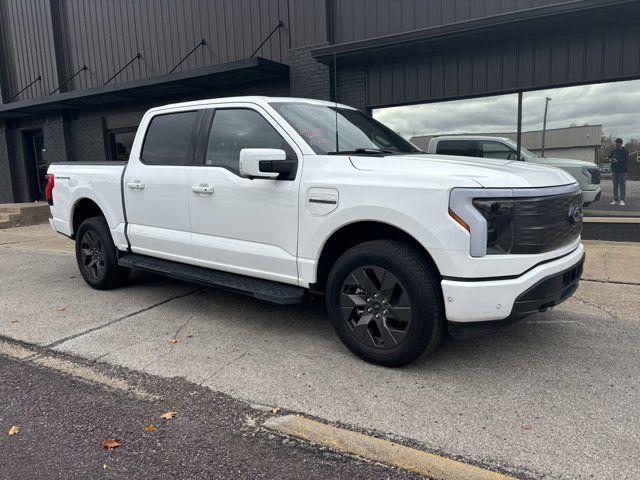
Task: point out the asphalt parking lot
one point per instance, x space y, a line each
554 396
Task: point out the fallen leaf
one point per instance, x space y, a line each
14 430
62 309
275 410
168 415
526 426
110 443
173 341
149 428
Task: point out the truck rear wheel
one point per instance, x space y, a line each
97 255
385 302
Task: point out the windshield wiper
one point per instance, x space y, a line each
367 150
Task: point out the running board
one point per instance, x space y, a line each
255 287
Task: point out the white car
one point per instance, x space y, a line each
262 196
587 174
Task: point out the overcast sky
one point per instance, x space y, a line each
616 106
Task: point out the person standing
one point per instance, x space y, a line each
619 158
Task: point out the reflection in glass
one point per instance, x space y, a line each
581 127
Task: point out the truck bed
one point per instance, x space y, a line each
100 182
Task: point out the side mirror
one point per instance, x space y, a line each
264 163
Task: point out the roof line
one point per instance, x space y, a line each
507 133
324 53
184 76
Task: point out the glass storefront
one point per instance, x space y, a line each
573 128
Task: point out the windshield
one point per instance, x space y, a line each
525 153
357 133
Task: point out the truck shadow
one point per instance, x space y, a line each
525 341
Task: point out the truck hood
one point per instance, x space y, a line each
487 173
563 162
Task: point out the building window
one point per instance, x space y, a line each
120 143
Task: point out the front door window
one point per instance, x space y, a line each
497 150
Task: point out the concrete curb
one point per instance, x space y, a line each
379 450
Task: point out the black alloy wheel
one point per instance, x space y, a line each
376 307
97 256
385 302
92 255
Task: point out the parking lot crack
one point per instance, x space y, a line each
117 349
613 282
171 347
600 308
182 326
119 319
605 263
228 364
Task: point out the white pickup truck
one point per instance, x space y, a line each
587 174
264 197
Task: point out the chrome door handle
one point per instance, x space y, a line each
136 185
202 188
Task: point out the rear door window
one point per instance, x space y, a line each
170 139
457 147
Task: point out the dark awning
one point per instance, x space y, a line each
188 84
558 17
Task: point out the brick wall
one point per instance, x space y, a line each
86 140
352 86
6 189
309 78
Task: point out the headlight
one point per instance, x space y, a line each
516 220
594 174
499 215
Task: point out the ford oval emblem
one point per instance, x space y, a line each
575 213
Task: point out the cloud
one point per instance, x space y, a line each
613 105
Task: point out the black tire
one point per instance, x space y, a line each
394 337
97 255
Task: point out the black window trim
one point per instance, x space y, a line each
191 147
205 132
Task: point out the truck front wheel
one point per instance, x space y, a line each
385 302
97 255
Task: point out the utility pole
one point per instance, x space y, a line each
519 134
544 125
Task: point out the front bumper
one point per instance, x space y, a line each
537 289
590 196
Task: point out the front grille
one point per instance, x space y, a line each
542 224
595 175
